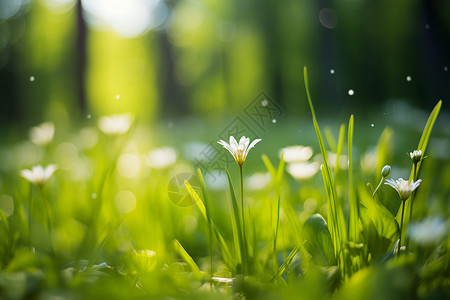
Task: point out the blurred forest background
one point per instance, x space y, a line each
165 59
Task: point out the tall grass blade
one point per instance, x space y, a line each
423 143
353 223
269 166
242 246
186 257
287 262
340 145
335 216
275 236
227 257
330 139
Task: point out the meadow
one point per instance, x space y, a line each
109 208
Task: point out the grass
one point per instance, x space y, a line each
104 225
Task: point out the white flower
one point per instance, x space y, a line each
43 134
258 181
161 158
296 153
403 188
239 151
303 170
115 124
415 156
428 231
38 175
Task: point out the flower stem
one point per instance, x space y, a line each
245 253
48 220
381 181
413 196
401 228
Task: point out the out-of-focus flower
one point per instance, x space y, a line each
428 231
258 181
296 153
38 175
415 156
161 158
403 188
369 161
239 151
42 134
115 124
303 170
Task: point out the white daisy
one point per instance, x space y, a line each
403 188
115 124
38 175
239 151
43 134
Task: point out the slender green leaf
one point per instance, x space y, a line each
330 139
384 150
186 257
339 148
280 171
238 222
228 258
269 166
287 262
423 143
275 236
335 217
353 230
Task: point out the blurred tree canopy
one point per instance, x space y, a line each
167 58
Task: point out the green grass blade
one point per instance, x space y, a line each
287 262
186 257
339 148
196 199
330 139
269 166
336 217
353 228
238 223
275 236
384 150
280 172
227 257
316 125
423 143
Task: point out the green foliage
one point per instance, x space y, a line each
309 239
318 241
335 213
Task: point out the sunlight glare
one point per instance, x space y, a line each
129 18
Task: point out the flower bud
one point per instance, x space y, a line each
386 170
415 156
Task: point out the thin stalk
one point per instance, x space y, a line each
274 253
413 196
48 219
30 214
401 228
243 218
238 224
378 186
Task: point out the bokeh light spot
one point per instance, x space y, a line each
328 18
